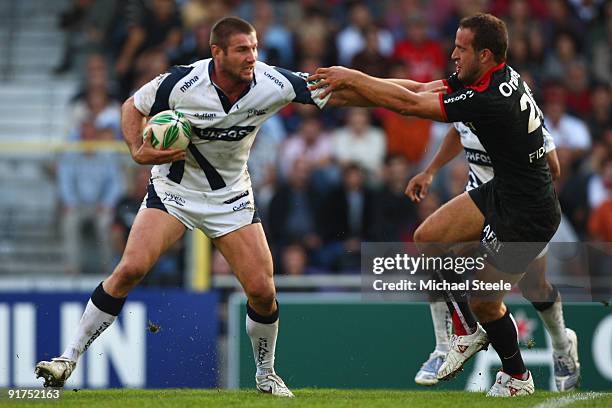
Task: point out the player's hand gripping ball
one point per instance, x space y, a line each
168 130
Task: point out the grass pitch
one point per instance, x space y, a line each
312 398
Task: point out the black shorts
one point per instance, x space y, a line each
514 233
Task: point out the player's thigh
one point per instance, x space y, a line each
247 252
459 220
153 232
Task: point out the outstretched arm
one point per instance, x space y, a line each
448 150
414 86
379 92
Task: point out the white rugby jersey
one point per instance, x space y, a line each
479 162
222 133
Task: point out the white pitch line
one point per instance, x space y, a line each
559 402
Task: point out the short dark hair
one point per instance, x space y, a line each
223 29
489 33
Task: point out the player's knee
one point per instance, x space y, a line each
130 272
535 291
260 293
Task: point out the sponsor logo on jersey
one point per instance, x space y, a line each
187 84
175 198
274 79
489 240
232 134
477 157
538 154
506 88
205 115
461 97
256 112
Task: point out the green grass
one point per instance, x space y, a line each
304 398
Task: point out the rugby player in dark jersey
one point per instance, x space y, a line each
515 214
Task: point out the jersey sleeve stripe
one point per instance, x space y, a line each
442 108
302 93
212 175
162 96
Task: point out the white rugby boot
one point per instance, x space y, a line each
55 372
508 386
427 374
462 348
567 365
272 384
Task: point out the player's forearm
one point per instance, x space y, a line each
381 92
415 86
132 123
348 97
448 150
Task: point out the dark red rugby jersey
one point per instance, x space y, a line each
500 109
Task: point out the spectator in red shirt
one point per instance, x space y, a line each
423 57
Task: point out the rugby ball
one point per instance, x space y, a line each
168 130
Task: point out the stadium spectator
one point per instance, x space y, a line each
601 48
346 219
559 20
564 53
86 23
423 58
294 260
600 116
97 76
196 46
90 184
396 214
276 42
158 25
600 220
96 106
578 94
196 12
314 37
569 132
293 211
371 60
310 144
148 65
351 39
359 142
406 135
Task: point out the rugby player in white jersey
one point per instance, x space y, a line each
534 285
226 99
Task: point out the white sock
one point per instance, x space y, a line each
93 322
263 339
441 319
555 325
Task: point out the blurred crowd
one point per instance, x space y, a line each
327 180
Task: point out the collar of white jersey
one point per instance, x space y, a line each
225 102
